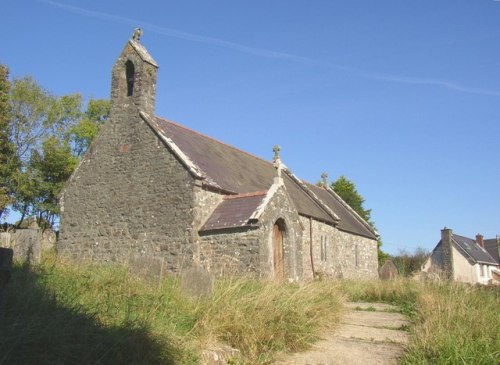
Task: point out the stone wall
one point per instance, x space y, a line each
281 207
249 251
338 254
28 244
231 252
129 196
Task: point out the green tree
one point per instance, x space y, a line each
409 263
44 136
8 161
84 132
346 189
36 114
51 169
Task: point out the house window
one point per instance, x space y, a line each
130 74
481 267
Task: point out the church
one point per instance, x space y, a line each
153 191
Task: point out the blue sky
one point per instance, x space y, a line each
401 97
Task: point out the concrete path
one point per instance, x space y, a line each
370 333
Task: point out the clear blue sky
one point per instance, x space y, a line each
402 97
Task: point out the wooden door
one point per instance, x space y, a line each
278 252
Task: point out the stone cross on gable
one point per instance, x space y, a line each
324 179
276 160
136 36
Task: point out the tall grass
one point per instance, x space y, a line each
453 323
262 318
60 313
456 324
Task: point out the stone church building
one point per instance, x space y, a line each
152 190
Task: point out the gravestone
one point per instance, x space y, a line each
27 245
196 282
388 271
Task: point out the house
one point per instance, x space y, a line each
153 191
493 248
461 259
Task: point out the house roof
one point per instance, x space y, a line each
473 250
234 171
491 246
235 211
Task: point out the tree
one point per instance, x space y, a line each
346 189
409 263
84 132
8 161
36 114
51 169
47 134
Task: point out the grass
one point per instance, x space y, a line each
453 323
59 313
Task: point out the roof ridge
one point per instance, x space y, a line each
347 207
246 195
213 139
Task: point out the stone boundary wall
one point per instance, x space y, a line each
28 244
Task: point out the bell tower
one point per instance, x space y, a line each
133 83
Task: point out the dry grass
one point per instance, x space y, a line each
262 318
61 313
453 323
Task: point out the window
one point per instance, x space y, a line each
130 74
481 267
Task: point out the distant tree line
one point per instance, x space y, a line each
42 138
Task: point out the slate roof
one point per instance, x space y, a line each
234 212
234 171
492 247
472 250
348 221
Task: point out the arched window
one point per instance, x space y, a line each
130 74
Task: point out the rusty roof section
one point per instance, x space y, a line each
234 212
233 171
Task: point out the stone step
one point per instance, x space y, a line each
351 331
375 319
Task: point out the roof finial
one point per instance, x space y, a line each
276 160
136 36
324 179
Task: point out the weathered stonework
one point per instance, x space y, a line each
338 254
129 196
249 251
138 199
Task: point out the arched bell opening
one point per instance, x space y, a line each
130 75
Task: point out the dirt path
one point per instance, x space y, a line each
370 333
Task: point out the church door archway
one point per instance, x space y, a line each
278 234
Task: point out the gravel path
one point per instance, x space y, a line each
370 333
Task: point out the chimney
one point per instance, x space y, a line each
447 249
479 240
